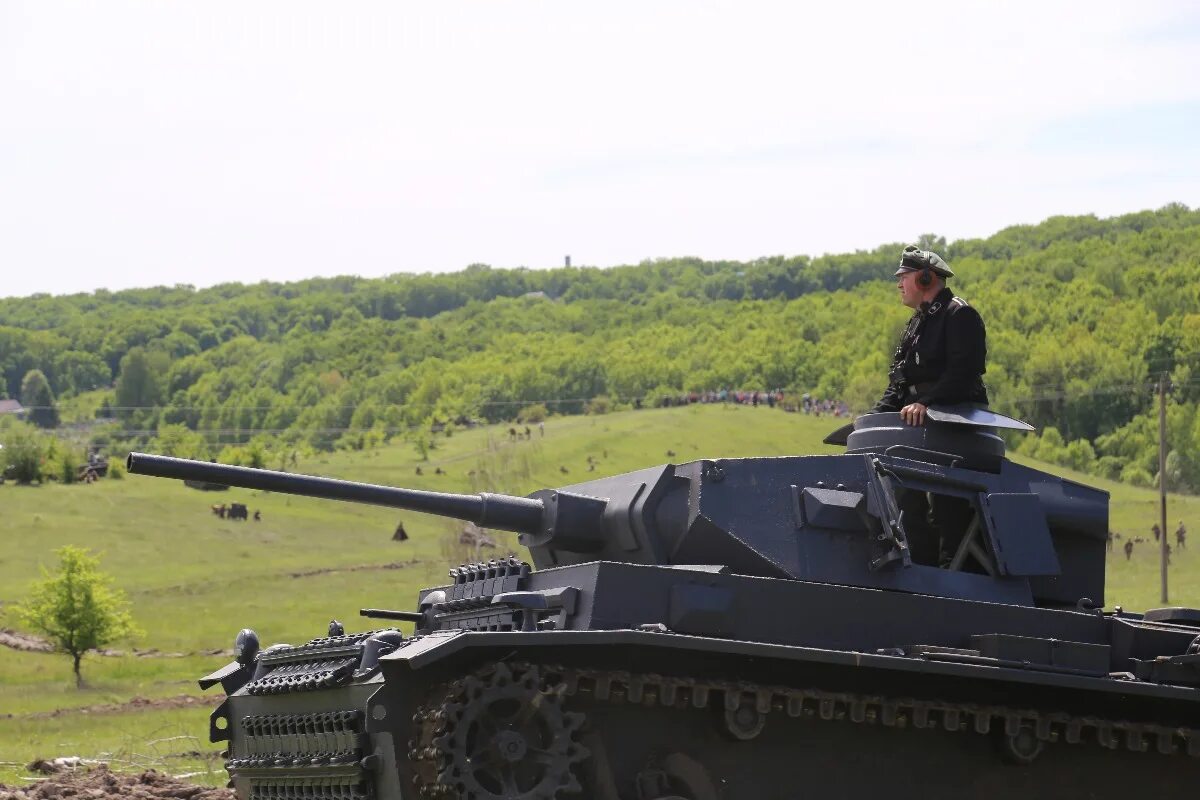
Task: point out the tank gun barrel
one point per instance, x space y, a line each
502 512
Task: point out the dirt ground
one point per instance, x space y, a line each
31 643
133 704
98 783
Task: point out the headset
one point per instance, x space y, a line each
914 256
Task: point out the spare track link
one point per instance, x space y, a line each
427 749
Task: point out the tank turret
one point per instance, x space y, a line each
899 511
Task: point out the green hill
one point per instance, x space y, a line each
1082 315
195 580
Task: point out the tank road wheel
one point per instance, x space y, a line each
742 721
507 737
1022 747
675 777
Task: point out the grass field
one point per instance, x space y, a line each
194 580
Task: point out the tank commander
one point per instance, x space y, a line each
942 352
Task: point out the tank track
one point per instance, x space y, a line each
435 749
498 733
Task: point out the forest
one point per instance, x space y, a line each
1084 316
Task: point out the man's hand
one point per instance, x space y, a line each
913 413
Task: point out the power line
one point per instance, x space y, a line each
230 435
283 405
1147 386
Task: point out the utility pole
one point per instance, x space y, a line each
1162 481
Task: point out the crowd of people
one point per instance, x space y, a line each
805 403
836 408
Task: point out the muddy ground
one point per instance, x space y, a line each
98 783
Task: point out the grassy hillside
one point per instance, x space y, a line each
195 580
343 363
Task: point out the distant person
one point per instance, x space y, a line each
942 352
1181 536
1128 548
1157 532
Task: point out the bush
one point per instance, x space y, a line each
116 468
179 441
533 414
1027 445
598 405
1080 455
24 454
1137 476
256 455
67 466
1051 447
1175 473
1108 467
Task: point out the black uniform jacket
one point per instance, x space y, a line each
941 357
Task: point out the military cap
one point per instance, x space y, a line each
914 258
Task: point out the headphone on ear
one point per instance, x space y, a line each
925 263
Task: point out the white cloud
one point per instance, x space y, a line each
149 142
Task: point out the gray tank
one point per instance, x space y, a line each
917 617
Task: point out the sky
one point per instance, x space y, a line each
160 143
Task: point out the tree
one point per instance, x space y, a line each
179 441
931 241
37 397
76 608
77 371
139 383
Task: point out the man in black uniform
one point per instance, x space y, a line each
942 352
940 360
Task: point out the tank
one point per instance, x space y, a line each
916 617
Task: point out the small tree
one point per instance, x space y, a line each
76 608
37 397
140 381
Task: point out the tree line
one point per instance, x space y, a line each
1083 315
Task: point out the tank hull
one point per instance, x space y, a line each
648 715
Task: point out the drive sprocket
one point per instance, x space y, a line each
505 736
